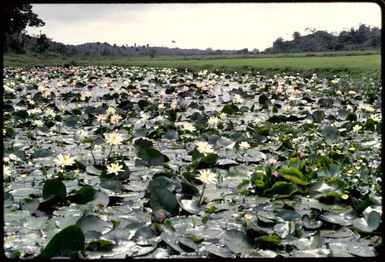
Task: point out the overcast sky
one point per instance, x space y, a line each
218 26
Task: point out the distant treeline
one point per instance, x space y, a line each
363 38
42 43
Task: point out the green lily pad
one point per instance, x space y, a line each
161 197
152 157
83 195
65 243
238 242
282 189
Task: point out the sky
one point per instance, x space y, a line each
193 25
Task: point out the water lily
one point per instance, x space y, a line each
223 116
248 216
113 138
244 145
238 99
114 168
207 177
38 123
6 171
115 119
174 104
111 110
375 117
82 133
204 147
34 111
13 157
188 127
144 116
64 160
213 121
368 108
49 112
357 128
101 117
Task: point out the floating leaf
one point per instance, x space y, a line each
42 153
161 197
237 241
311 223
152 157
71 121
54 190
83 195
101 245
93 223
65 243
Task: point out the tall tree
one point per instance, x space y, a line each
16 17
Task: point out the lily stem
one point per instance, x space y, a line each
203 190
92 154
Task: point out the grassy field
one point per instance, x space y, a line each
290 63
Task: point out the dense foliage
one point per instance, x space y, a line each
16 17
362 38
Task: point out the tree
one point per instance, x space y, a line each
296 35
42 43
152 52
16 17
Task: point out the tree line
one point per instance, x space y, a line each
362 38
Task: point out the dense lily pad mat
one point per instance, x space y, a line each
113 162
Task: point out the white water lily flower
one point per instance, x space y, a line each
49 112
162 92
238 99
114 169
115 119
13 157
113 138
160 118
188 127
244 145
38 123
368 108
144 116
6 171
34 111
357 128
204 147
101 117
375 117
82 133
111 110
223 116
64 160
174 104
213 121
207 177
352 93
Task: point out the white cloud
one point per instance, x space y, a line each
219 26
